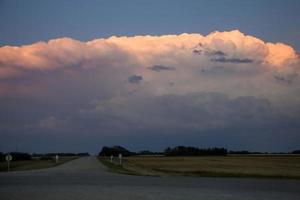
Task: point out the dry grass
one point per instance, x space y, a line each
277 166
33 164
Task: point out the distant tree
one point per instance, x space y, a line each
194 151
168 151
2 157
296 152
147 152
247 152
16 156
115 151
50 156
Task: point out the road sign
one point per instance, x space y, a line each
8 158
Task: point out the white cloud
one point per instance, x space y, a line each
232 63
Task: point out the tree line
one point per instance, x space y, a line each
194 151
176 151
18 156
180 151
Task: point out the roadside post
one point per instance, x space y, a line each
8 159
120 158
111 158
56 159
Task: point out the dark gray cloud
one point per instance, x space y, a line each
201 49
213 69
194 111
232 60
209 53
219 56
209 118
135 79
215 53
159 68
197 51
282 79
285 78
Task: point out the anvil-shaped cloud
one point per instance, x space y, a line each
187 82
233 47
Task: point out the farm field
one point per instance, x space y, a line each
35 163
269 166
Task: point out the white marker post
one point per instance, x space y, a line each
120 158
56 159
111 158
8 159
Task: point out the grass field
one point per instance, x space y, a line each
35 163
272 166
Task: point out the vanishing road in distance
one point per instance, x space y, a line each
87 178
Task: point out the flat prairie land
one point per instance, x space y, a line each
35 163
269 166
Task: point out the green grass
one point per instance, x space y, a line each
35 163
115 167
262 166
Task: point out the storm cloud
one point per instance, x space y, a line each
225 84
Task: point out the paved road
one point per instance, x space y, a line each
87 178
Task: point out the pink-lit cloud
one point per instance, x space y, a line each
170 84
140 51
232 63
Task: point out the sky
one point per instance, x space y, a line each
78 75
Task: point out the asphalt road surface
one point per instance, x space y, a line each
87 178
